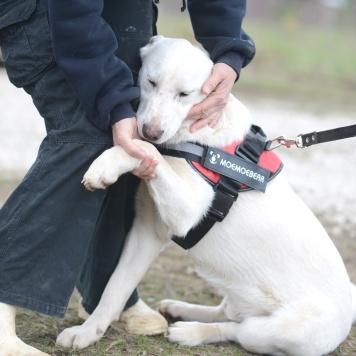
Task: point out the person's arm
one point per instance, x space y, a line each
84 47
217 26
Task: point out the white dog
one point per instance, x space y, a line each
285 287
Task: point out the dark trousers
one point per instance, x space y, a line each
53 233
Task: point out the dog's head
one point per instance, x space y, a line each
172 74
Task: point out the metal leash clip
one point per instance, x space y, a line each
284 141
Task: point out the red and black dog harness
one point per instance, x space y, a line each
236 168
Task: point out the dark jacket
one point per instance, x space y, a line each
84 48
217 25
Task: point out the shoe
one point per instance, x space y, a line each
140 319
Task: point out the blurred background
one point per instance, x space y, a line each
306 49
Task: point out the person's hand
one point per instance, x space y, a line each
123 132
217 88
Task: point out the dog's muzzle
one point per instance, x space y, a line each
151 134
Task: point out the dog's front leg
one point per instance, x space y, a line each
141 249
181 196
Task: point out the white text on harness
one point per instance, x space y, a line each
240 169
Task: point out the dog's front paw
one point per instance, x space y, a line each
187 333
102 172
79 337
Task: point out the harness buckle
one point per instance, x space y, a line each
284 141
216 215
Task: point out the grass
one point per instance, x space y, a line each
171 276
310 62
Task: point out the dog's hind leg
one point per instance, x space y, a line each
178 310
304 334
303 329
141 249
251 337
258 336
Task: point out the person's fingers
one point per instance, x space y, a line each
146 168
217 88
208 111
123 132
132 148
198 124
210 121
214 119
200 111
212 82
208 108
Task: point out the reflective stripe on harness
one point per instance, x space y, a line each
236 168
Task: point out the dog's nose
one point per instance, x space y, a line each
151 134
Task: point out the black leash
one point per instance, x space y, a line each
313 138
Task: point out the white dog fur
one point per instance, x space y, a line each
285 287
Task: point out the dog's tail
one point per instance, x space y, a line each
353 290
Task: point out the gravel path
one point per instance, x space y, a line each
323 175
21 129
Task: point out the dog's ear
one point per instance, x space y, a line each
154 40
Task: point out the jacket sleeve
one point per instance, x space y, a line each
217 25
84 47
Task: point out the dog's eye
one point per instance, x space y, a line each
152 82
183 94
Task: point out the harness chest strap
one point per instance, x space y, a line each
228 173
